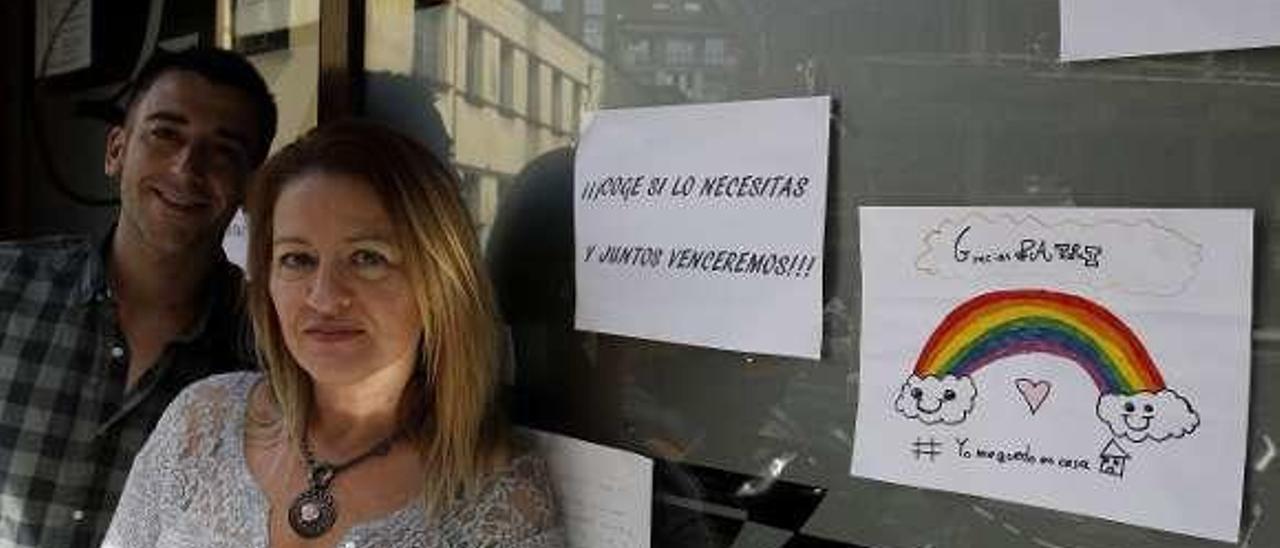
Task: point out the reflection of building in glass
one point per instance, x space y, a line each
682 45
678 50
508 85
585 20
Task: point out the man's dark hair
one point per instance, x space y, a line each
219 66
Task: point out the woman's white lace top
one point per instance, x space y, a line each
190 486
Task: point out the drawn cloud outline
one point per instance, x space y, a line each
952 411
1171 415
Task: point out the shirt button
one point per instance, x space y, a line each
77 515
117 351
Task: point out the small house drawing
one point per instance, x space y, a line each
1112 459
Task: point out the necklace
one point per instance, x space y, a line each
314 510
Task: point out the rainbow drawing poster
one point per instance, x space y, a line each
1092 361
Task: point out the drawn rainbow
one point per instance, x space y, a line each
1005 323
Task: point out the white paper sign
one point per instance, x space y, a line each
65 32
235 241
1097 29
702 224
263 16
1093 361
605 494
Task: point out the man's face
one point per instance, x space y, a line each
182 158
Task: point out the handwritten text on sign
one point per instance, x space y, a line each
1140 256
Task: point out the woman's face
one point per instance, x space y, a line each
339 282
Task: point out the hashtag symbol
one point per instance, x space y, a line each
926 448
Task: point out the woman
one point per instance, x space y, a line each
375 424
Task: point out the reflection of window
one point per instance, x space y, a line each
693 7
534 85
593 7
506 75
557 101
260 26
475 58
593 32
505 184
679 51
428 39
637 52
716 51
684 81
470 191
661 6
575 107
715 91
555 6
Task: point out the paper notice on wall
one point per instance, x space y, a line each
235 241
605 494
703 224
263 16
1098 29
64 36
1093 361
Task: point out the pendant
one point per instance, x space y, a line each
312 513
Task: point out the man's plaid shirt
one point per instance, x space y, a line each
68 428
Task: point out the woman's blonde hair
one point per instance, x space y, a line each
449 409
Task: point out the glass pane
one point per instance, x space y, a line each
939 103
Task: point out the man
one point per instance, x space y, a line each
97 335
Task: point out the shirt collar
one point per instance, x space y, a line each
222 298
221 289
91 284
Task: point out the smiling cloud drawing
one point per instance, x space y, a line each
932 400
1156 416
